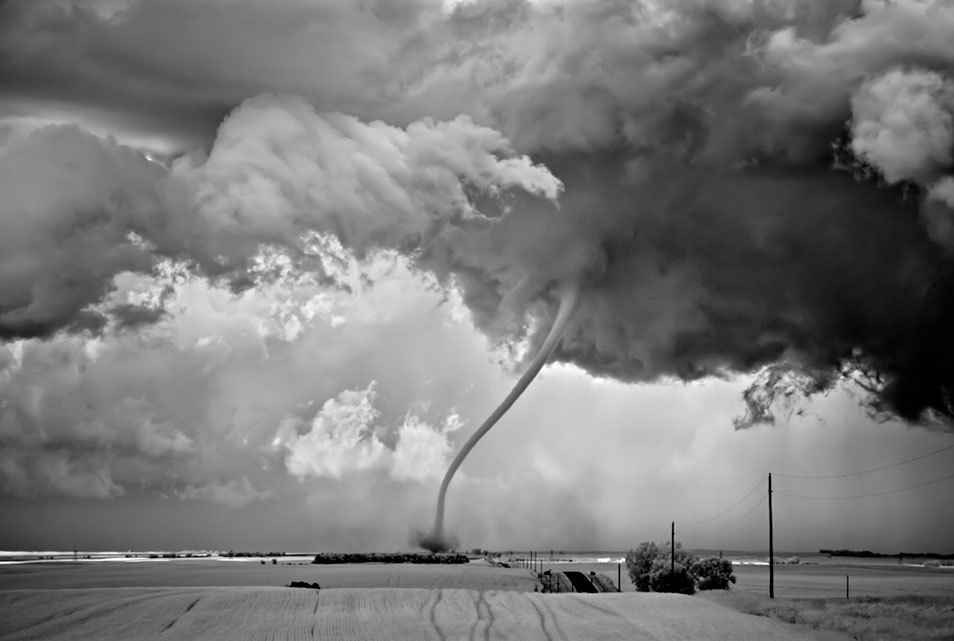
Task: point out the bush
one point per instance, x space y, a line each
650 568
639 562
712 573
663 579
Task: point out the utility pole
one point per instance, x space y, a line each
771 543
672 558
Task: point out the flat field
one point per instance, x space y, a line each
213 599
204 572
348 614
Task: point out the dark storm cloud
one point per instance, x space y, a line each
710 154
70 201
130 316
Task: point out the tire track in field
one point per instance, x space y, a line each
433 615
74 616
472 634
481 607
547 613
556 624
441 581
184 612
491 618
541 619
45 620
314 614
103 611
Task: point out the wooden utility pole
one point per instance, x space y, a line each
771 543
619 576
672 559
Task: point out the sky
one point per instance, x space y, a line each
265 266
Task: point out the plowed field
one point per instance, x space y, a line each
239 613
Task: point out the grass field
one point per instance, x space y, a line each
346 614
864 619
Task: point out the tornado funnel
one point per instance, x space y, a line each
436 540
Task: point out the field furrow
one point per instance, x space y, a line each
291 614
455 615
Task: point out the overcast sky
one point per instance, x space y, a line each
265 266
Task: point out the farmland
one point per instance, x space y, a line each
202 572
245 599
351 614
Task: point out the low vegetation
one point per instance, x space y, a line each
331 558
656 567
864 619
868 554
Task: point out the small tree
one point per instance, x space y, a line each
650 568
663 577
712 573
639 562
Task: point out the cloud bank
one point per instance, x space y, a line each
739 187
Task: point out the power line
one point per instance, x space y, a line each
862 496
874 469
749 511
724 512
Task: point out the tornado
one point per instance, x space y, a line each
436 541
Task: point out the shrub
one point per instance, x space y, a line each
662 578
650 568
712 573
639 562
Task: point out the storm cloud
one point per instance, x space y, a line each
742 188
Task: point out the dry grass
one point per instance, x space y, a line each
865 619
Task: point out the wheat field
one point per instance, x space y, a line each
271 613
